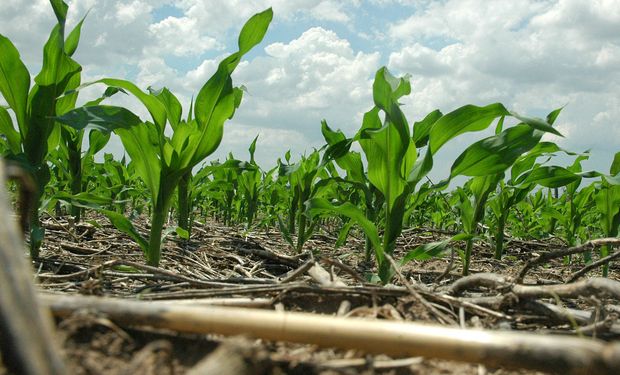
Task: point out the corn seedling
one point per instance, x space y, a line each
36 107
162 161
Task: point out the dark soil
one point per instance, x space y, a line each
93 344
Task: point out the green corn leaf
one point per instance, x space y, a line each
72 41
142 144
84 200
58 67
497 153
500 125
172 105
254 31
465 119
100 117
422 129
252 150
153 105
6 128
217 100
608 204
339 150
14 82
60 10
286 234
433 249
124 225
317 206
540 124
182 233
615 165
97 141
426 251
550 176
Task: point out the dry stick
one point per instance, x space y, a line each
449 267
467 305
597 286
566 355
64 228
590 245
594 265
443 318
344 268
488 280
293 275
26 338
235 356
154 270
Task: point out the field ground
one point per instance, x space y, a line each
255 268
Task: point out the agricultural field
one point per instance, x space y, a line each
345 260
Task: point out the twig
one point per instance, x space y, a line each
69 232
489 280
293 275
566 355
593 265
449 267
443 318
27 344
598 286
345 268
588 246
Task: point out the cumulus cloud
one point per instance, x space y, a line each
317 74
320 56
534 56
179 36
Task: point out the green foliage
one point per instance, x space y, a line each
35 106
162 161
513 189
608 204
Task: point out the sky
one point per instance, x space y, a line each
319 58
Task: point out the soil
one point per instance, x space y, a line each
93 344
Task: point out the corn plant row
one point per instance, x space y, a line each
514 190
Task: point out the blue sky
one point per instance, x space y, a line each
319 58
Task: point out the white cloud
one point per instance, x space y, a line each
532 55
180 37
330 11
127 13
317 75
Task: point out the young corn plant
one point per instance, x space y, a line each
395 169
525 174
608 204
162 161
392 169
303 180
78 161
35 107
488 159
250 181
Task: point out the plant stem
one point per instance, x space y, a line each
499 237
158 219
470 245
184 201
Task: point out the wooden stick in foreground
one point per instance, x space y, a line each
26 338
566 355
